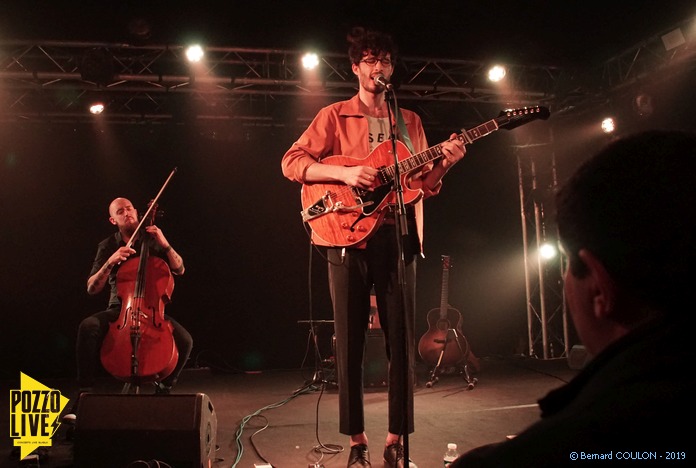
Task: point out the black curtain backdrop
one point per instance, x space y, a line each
251 275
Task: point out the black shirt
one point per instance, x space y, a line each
110 245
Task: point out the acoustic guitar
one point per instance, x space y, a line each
343 216
442 322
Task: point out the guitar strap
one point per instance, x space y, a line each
403 136
403 132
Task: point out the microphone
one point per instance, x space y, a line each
381 80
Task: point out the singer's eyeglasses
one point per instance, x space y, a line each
372 61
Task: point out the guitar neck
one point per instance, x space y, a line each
445 287
509 119
444 302
434 152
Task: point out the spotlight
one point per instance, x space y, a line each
673 39
139 29
96 108
310 61
642 104
496 73
547 251
608 125
194 53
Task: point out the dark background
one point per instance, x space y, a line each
250 272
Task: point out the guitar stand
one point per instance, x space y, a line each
317 382
463 370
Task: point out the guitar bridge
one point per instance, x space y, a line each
326 205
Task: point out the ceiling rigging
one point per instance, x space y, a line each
53 81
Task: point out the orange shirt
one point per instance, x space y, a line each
342 129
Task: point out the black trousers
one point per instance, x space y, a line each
351 280
91 334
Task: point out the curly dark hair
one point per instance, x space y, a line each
363 40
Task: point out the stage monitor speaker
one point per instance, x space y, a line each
375 363
115 431
375 366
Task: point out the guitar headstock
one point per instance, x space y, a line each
446 262
512 118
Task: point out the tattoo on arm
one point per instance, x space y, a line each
100 279
176 263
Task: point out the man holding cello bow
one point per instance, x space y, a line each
112 252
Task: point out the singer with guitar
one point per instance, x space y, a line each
334 151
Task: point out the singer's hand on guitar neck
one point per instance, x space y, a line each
452 151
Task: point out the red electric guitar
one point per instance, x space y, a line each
343 216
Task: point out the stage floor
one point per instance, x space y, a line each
262 417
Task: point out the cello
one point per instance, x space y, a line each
139 347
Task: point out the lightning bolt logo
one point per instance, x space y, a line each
34 411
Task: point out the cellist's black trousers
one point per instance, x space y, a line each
91 334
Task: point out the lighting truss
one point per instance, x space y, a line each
547 318
46 80
43 80
651 60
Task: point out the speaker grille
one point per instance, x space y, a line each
113 431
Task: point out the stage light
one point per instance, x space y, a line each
673 39
548 251
195 53
642 105
139 28
96 108
496 73
310 61
608 125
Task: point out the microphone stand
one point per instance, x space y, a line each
401 233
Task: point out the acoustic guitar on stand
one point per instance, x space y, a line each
444 344
343 216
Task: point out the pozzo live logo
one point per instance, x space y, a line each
34 411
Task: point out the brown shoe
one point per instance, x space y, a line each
394 456
359 456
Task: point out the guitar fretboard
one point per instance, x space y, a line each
434 152
445 287
445 291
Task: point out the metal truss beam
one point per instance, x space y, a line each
547 319
660 57
654 58
54 80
